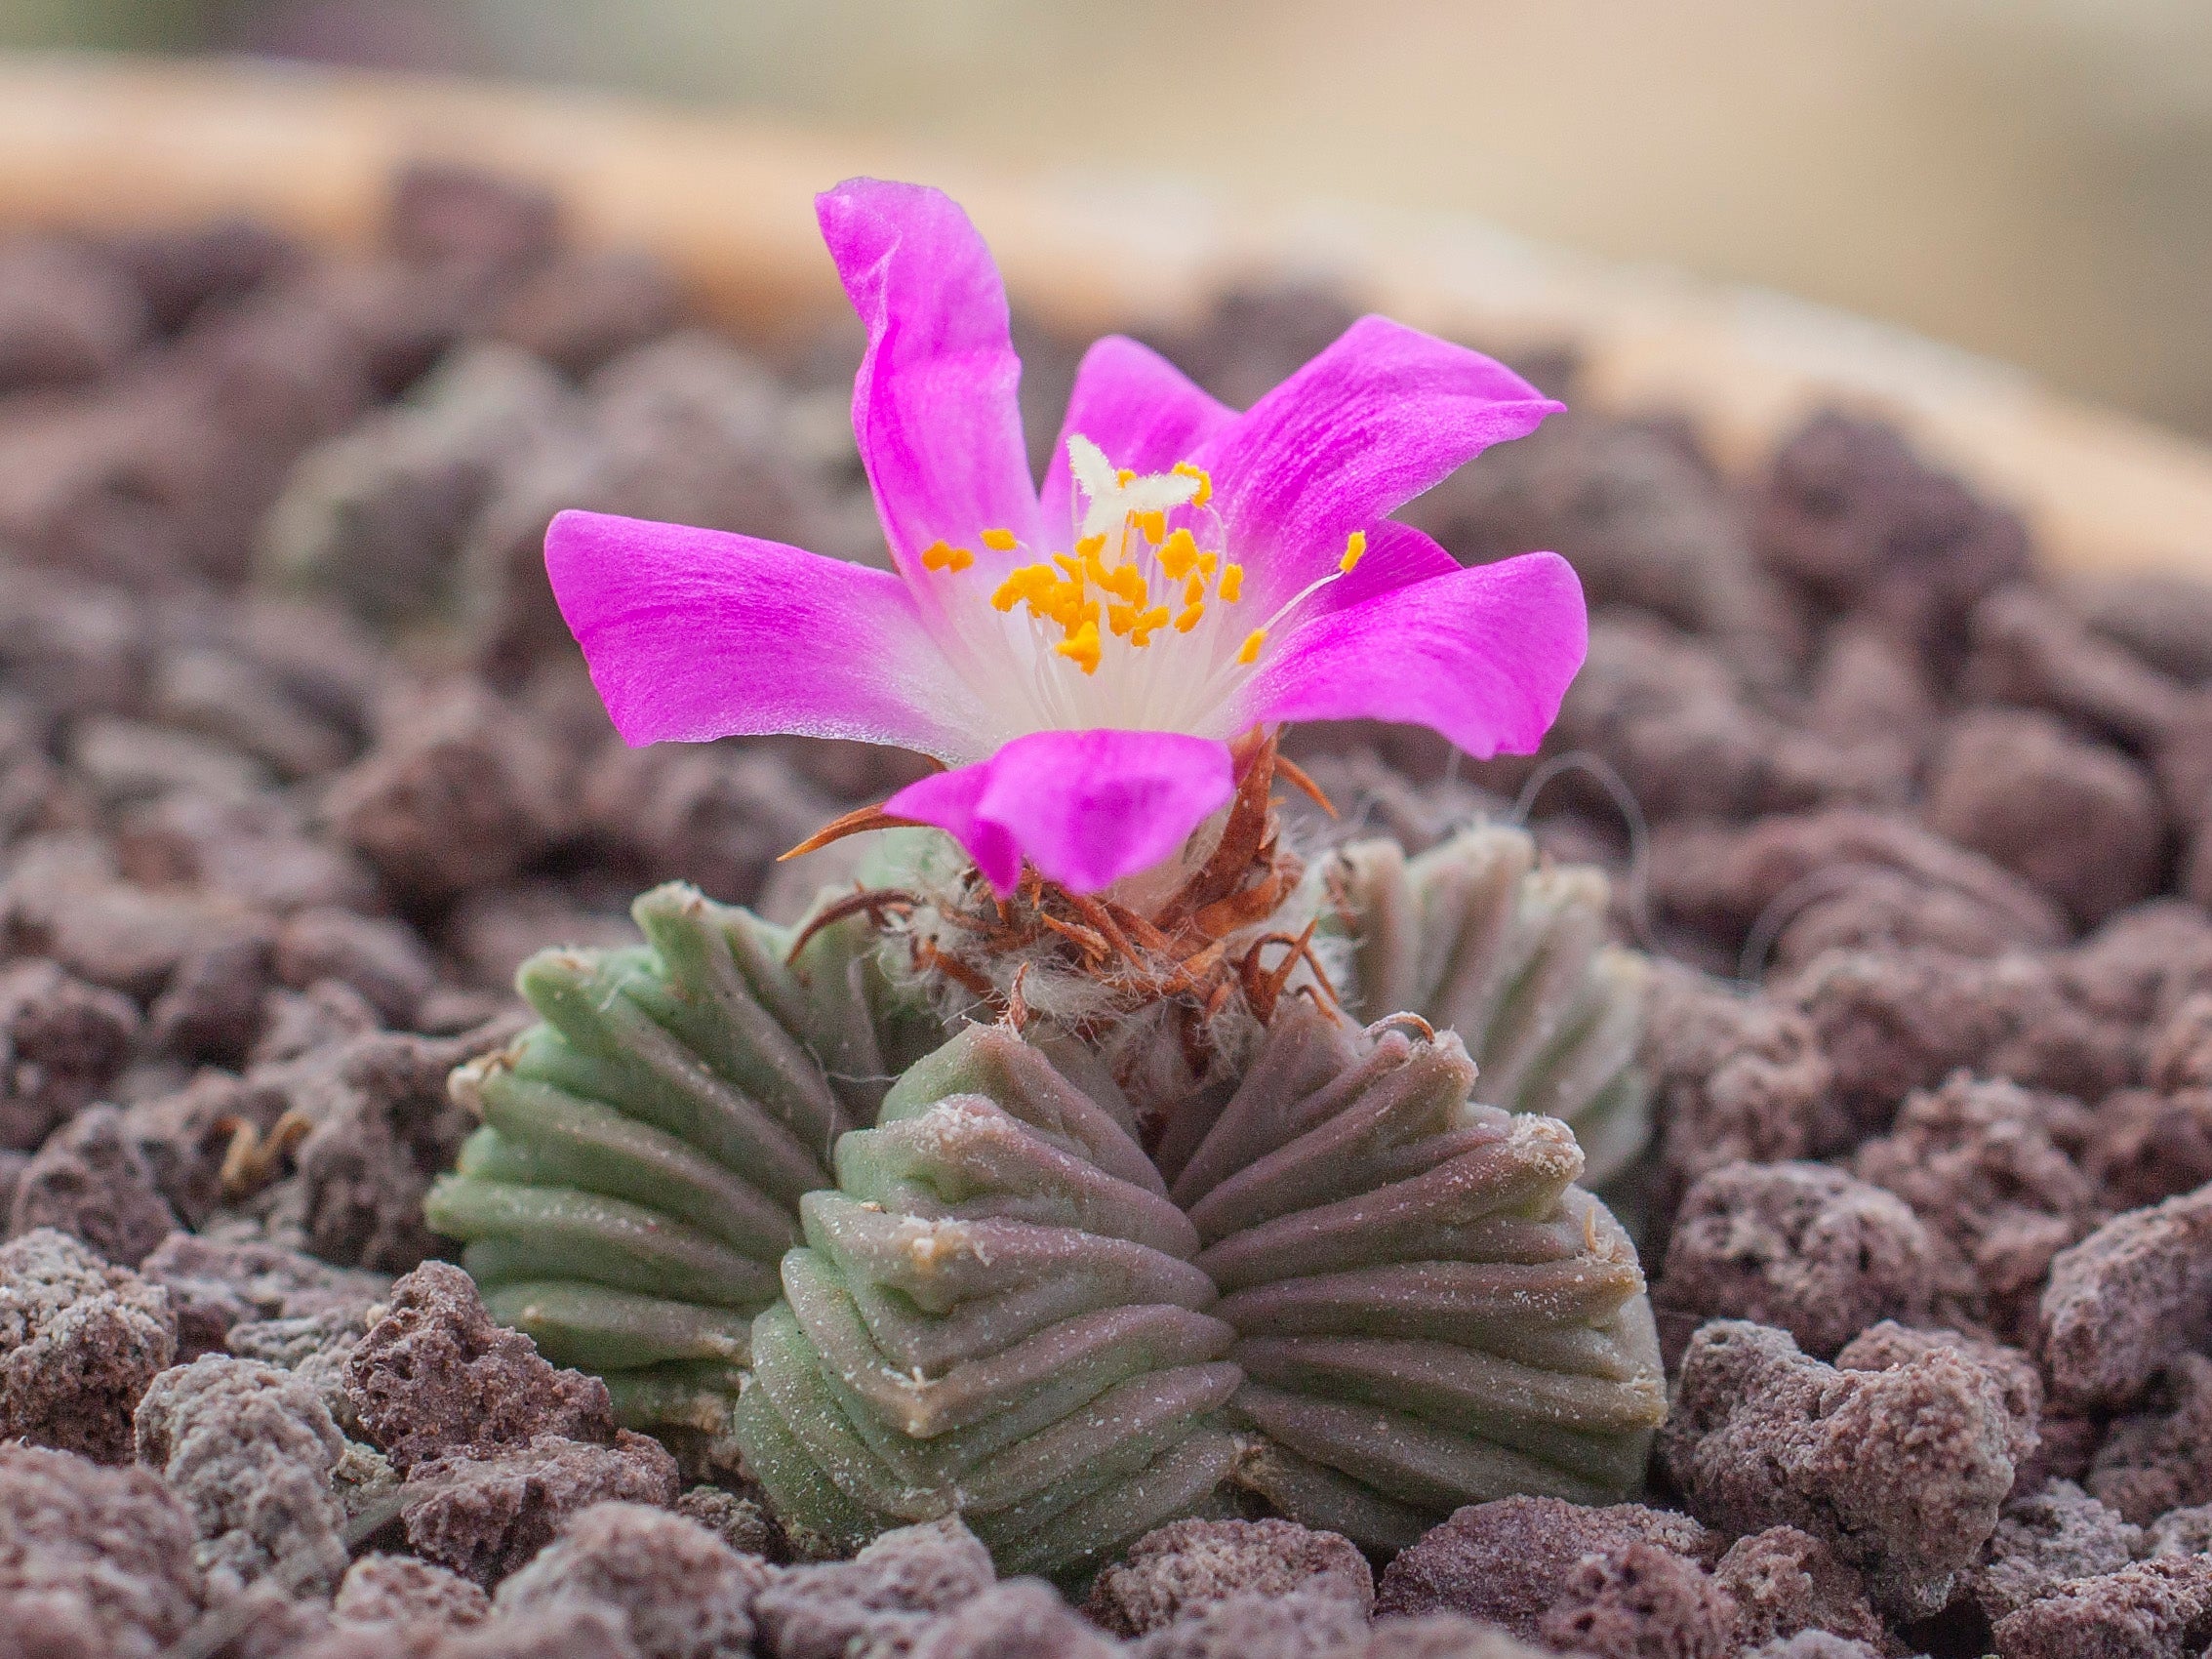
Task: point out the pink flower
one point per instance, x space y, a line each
1079 658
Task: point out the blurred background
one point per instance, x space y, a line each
2031 178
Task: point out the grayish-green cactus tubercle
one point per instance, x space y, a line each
1479 937
906 1272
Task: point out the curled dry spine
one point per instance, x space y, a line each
992 1286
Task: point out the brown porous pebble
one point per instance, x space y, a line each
1727 880
681 1591
1851 514
2155 1609
1505 1563
886 1594
1023 1618
1295 1624
91 1181
250 1448
2029 649
741 1519
1783 1581
1188 1564
1978 1162
80 1339
435 1377
2158 1458
1644 1602
404 1590
572 1630
214 1286
1733 1076
2046 1539
1896 1021
1901 1470
383 1129
61 1041
2127 1299
2078 820
1437 1636
95 1563
1798 1245
1889 1345
460 791
484 1515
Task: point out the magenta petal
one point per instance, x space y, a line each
1398 555
1139 408
1482 655
693 635
934 407
1086 808
1379 417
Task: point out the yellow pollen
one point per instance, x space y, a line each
1142 635
1179 556
1194 590
1125 476
1188 620
1183 470
1153 524
999 540
1249 652
1091 546
1232 582
1070 564
1082 648
938 556
1356 549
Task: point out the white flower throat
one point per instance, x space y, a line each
1136 628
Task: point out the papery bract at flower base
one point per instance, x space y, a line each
1082 657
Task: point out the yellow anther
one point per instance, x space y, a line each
999 540
939 555
1030 583
1207 563
1188 620
1153 524
1152 620
1070 564
1126 581
1125 476
1091 546
1249 652
1081 648
1120 619
1194 590
1179 556
1356 549
1232 582
1183 470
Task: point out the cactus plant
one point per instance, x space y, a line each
1476 936
769 1184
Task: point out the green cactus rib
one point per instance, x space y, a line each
1077 1406
1479 937
644 1150
1349 1287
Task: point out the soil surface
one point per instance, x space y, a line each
298 763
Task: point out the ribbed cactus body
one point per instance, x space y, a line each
906 1272
1428 1312
1477 936
994 1314
644 1150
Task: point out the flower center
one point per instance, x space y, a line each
1128 578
